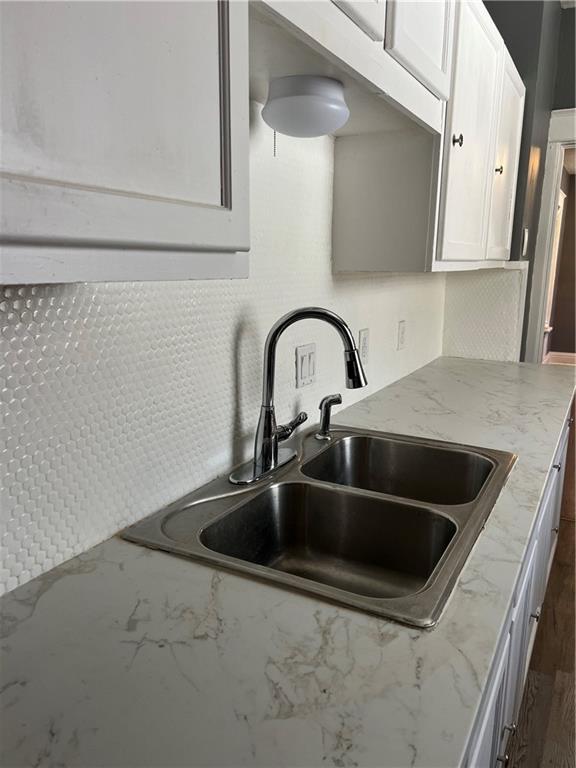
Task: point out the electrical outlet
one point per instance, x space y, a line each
401 338
305 365
363 342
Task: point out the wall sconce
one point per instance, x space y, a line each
305 105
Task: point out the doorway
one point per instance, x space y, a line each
559 327
551 318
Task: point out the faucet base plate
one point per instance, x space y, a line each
244 474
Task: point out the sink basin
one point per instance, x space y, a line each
411 470
361 544
378 522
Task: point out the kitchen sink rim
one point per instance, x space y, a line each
439 585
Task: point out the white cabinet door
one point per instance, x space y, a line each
419 35
369 15
125 124
487 735
543 532
548 523
560 468
469 136
505 166
518 657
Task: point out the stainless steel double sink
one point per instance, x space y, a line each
378 522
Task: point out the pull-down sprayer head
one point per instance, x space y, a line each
355 376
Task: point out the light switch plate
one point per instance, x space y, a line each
305 365
525 241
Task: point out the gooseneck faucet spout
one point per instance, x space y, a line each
268 434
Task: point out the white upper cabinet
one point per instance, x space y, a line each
506 157
469 136
124 126
481 145
419 35
369 15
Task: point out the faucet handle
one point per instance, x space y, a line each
325 412
283 431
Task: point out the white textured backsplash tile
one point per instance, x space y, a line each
484 313
118 398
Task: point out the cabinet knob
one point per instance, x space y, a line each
504 759
555 530
557 466
536 615
511 728
500 170
457 140
570 421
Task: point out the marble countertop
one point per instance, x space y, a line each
126 656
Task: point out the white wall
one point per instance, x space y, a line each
118 398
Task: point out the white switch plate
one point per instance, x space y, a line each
401 340
525 241
305 365
363 343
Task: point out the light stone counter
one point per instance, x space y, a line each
129 657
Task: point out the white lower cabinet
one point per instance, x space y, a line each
522 633
486 741
499 713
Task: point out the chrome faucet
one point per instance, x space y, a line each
267 455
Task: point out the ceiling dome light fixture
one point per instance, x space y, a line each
305 105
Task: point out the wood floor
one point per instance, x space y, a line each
546 734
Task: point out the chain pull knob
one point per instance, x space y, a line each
457 140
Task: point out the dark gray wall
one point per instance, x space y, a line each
530 29
565 92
